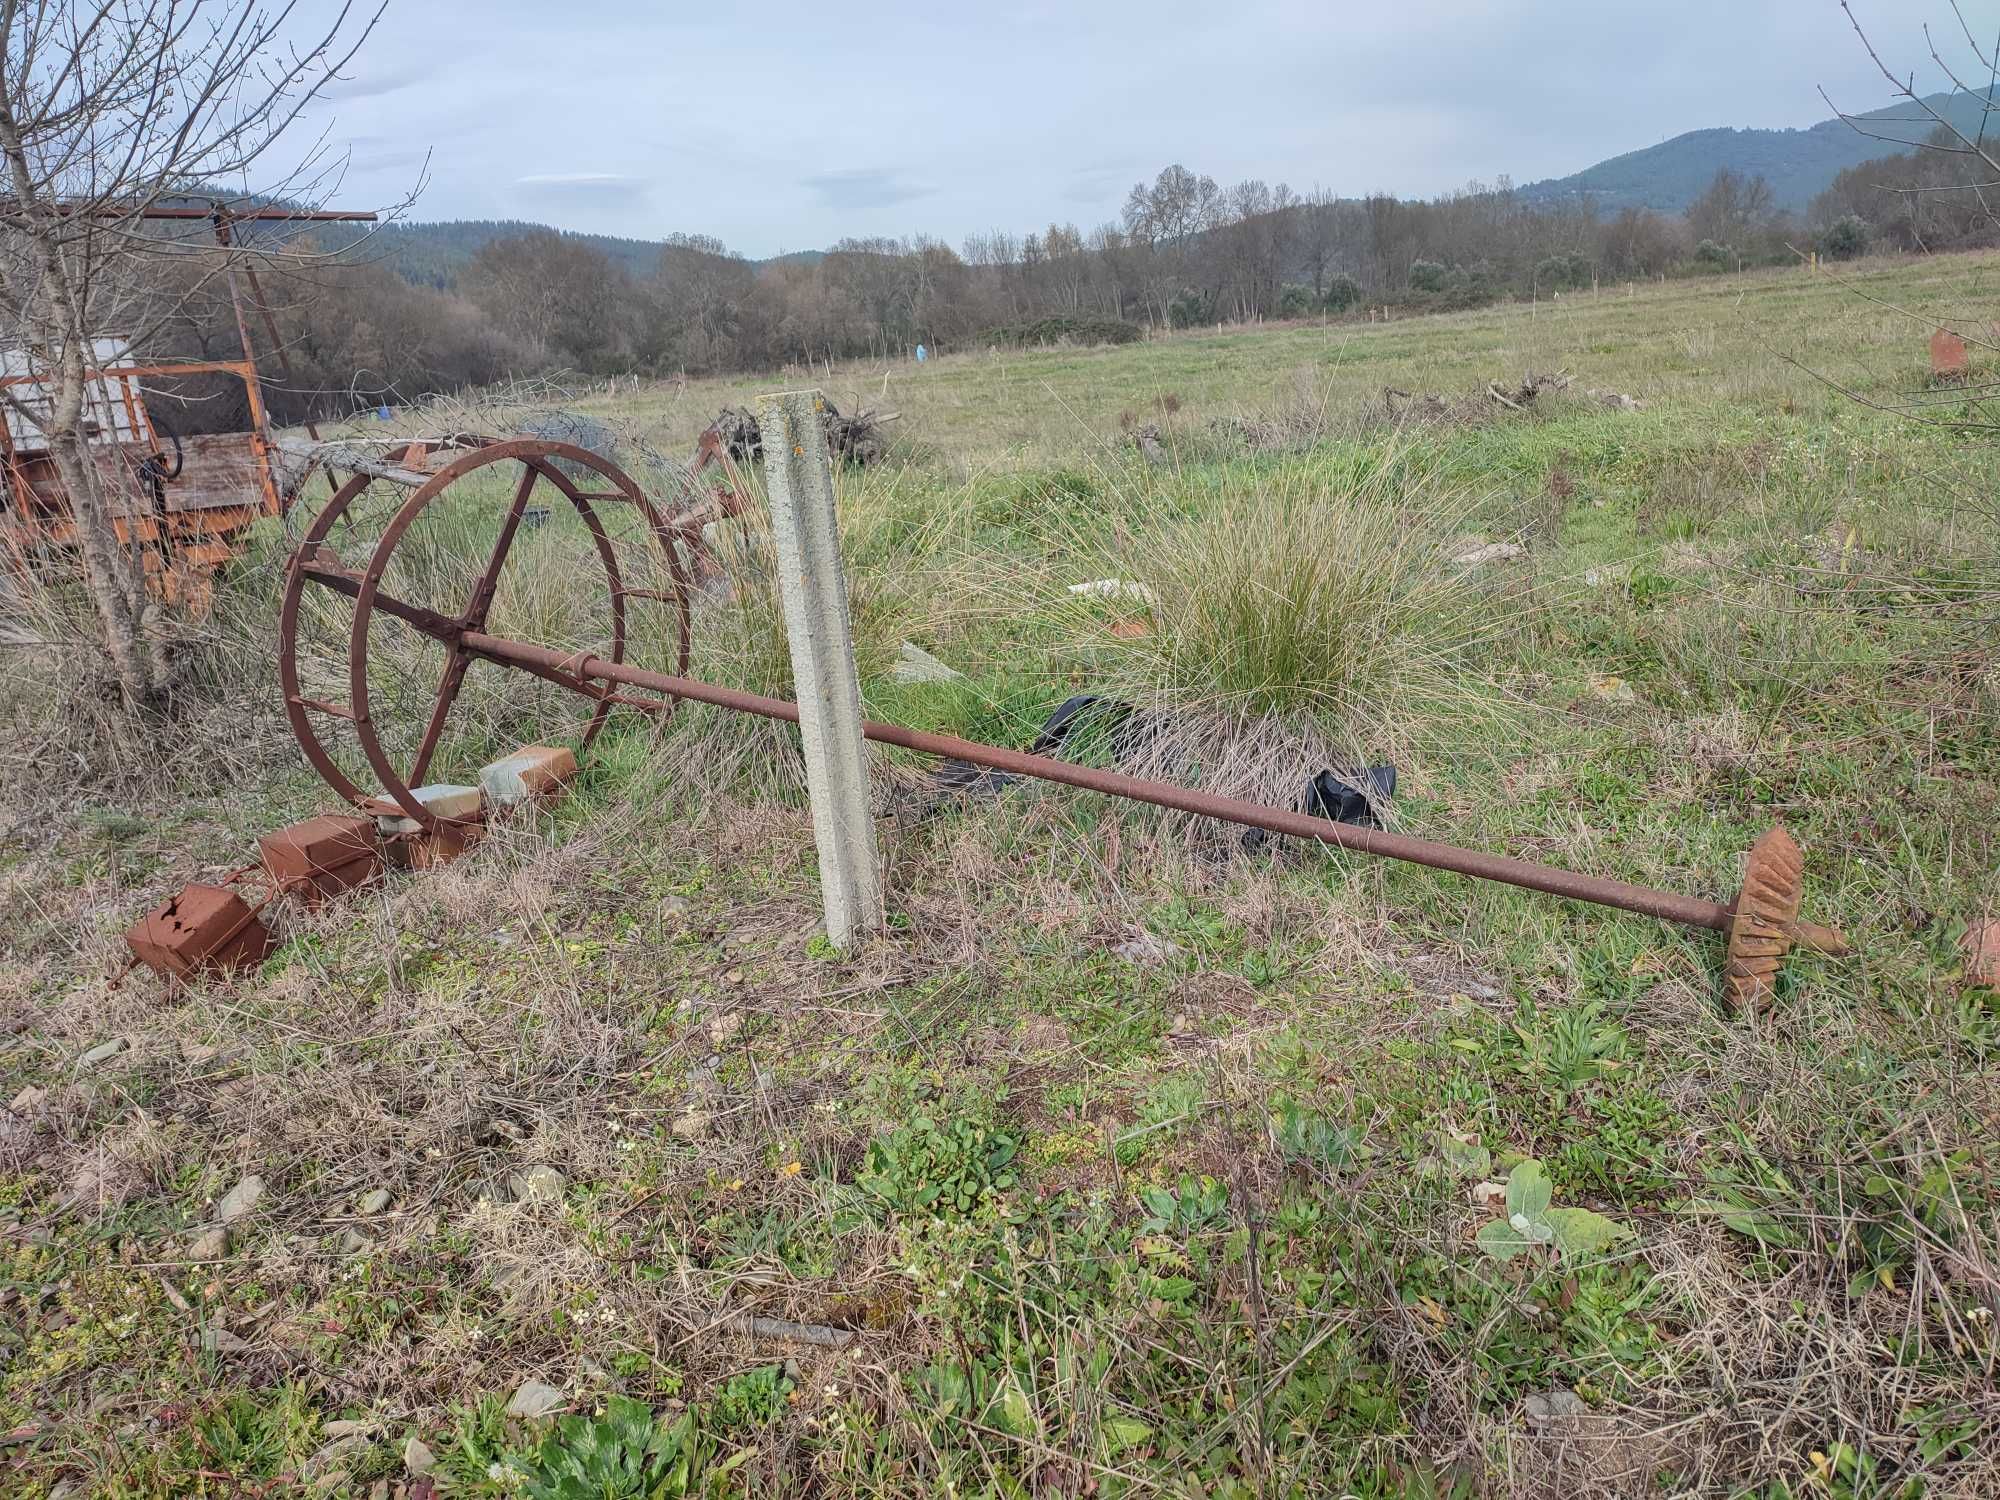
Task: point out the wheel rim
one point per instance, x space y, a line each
540 463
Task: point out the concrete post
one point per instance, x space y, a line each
799 473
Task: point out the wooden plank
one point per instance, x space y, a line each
217 469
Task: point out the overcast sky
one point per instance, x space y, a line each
785 126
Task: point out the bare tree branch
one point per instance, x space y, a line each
108 110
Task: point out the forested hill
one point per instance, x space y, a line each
435 255
1799 164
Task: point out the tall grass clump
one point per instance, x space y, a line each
64 730
901 586
1303 616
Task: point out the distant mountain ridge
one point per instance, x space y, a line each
1799 164
437 254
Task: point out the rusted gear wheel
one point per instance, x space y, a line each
427 549
1766 921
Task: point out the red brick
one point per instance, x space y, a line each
1947 353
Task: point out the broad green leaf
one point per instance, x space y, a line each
1500 1239
1125 1432
1534 1231
1766 1229
1528 1192
1466 1159
1580 1232
1014 1412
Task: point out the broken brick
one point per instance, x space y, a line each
1947 353
534 771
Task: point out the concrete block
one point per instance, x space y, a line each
536 771
440 800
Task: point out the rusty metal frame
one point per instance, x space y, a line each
1762 923
222 215
1689 911
243 369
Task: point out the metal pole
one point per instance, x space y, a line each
223 238
277 342
577 672
226 238
799 472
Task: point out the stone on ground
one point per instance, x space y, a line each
914 664
240 1200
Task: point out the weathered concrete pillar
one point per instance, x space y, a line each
799 472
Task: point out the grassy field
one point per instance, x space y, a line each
1132 1159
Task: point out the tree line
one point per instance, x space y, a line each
1185 251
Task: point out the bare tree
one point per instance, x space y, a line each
1729 207
1979 151
1318 236
108 109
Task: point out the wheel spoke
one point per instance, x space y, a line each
448 686
328 574
474 617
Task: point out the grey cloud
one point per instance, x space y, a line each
371 83
952 119
389 161
610 188
864 187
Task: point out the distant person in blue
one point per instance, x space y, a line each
922 354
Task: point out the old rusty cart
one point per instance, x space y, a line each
181 500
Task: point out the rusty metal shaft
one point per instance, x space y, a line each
580 673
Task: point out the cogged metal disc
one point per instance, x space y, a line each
1767 908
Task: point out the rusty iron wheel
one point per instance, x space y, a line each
433 571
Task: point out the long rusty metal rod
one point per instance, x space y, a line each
1689 911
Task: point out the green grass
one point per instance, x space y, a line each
1201 1222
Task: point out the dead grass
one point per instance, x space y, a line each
628 993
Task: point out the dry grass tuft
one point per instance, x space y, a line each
65 733
1304 618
